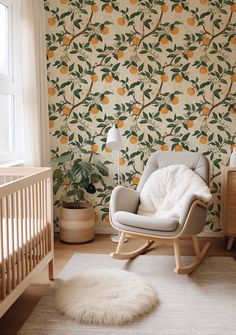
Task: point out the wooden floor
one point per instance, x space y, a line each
11 322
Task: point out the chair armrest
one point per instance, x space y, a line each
196 217
124 199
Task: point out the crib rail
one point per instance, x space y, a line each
26 233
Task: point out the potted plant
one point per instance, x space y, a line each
78 179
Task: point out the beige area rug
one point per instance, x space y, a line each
201 304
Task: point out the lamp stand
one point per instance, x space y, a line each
116 236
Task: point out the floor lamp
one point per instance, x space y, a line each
114 142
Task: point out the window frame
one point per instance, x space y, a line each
10 85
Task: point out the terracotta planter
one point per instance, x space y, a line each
77 224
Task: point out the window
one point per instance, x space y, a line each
11 132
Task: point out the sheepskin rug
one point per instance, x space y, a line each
106 297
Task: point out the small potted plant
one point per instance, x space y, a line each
78 179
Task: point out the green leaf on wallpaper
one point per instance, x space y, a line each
216 93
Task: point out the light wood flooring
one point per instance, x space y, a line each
11 322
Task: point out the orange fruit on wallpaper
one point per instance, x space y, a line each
189 123
50 53
179 78
164 78
108 150
179 148
120 123
233 8
51 91
51 123
203 139
191 21
232 110
64 70
108 78
191 91
66 111
233 40
133 70
189 53
135 180
105 100
164 147
119 53
164 110
135 40
178 9
94 40
175 31
164 8
133 2
63 2
66 181
106 219
96 218
175 101
203 2
205 110
94 78
94 110
233 77
164 40
94 147
64 139
133 139
121 161
66 41
108 8
203 69
51 21
136 110
206 40
105 30
121 90
121 21
94 8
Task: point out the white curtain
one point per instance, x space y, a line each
34 86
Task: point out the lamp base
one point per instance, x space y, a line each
116 237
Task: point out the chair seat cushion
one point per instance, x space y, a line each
167 190
149 222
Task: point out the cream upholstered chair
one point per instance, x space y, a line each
124 204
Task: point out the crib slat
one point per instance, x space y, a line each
12 256
6 211
45 216
18 268
37 220
2 262
25 223
22 251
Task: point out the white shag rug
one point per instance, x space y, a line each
105 296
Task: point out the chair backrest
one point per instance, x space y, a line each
159 159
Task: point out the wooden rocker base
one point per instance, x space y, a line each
193 266
200 254
132 254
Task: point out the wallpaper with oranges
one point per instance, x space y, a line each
163 71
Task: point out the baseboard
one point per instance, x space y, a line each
211 234
100 229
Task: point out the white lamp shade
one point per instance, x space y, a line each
114 139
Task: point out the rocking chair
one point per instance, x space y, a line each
125 202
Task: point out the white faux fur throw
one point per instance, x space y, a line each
167 190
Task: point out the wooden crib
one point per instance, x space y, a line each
26 229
